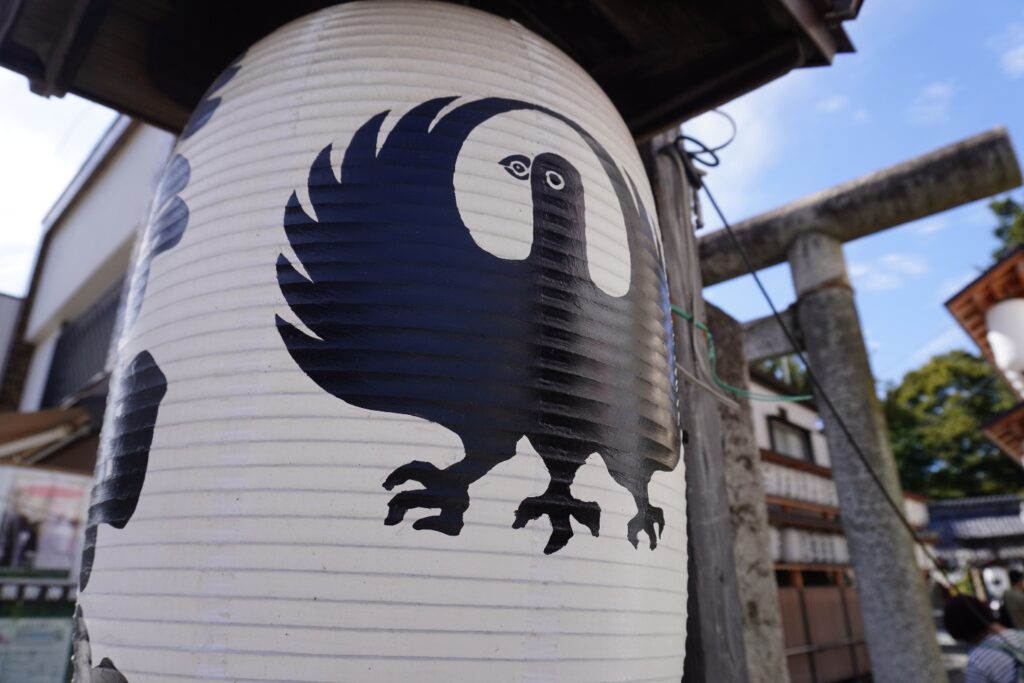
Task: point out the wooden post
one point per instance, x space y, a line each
755 571
714 644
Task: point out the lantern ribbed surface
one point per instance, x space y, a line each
394 399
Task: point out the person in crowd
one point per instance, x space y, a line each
998 652
1013 599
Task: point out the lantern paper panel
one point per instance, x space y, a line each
395 397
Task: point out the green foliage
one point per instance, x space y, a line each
786 370
935 419
1010 228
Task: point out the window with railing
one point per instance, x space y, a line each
81 351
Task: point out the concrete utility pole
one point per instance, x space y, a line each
899 629
809 234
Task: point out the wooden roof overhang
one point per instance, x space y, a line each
1007 432
1004 280
660 62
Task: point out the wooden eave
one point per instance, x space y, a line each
1004 280
1007 432
660 62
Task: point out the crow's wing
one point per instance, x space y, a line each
403 303
389 231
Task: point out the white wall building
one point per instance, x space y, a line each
796 467
88 238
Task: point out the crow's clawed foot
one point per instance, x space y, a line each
441 490
559 507
645 520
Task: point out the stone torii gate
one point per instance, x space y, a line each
809 234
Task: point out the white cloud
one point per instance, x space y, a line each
945 339
1012 62
952 285
907 264
832 104
1009 45
932 103
950 338
871 341
869 278
930 226
764 129
43 143
888 272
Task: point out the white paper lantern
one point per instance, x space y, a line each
770 478
402 277
793 550
1005 323
775 544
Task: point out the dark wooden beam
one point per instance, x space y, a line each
764 338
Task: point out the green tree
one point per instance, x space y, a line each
786 370
1010 227
935 418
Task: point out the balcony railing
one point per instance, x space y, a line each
81 353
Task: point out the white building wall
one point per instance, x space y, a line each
38 371
94 237
799 414
91 245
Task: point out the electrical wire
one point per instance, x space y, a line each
713 359
791 338
678 150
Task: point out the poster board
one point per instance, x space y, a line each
42 520
42 517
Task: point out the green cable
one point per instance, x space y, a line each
713 357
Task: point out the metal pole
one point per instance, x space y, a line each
898 621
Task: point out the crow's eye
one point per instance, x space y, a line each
555 180
517 165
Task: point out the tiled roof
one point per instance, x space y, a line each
977 500
988 527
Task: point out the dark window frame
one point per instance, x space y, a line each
804 433
82 348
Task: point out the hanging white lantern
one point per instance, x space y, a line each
793 546
395 398
1005 323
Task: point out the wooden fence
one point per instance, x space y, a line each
824 634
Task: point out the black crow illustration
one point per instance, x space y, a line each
409 315
124 452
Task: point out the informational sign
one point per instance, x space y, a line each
42 516
34 650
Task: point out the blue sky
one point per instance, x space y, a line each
925 74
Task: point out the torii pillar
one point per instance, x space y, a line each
809 233
900 631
